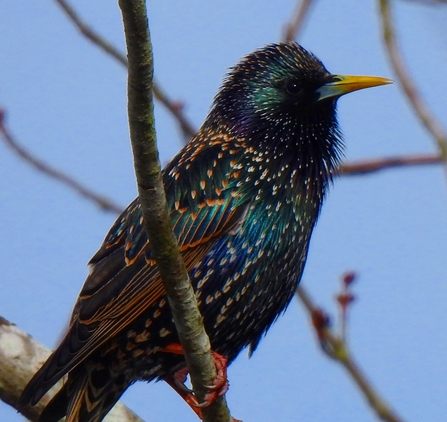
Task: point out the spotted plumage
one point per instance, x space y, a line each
244 195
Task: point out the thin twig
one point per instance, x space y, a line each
345 299
90 33
421 109
334 347
157 223
295 25
174 107
373 165
102 202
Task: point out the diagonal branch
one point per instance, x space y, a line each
174 108
101 201
188 321
336 348
296 23
430 122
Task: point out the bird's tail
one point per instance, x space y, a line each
87 396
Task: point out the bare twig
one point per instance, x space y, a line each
20 357
102 202
90 33
373 165
334 347
345 299
421 109
174 108
295 24
157 224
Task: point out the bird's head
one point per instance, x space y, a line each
277 82
283 93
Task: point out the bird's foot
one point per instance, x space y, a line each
218 389
220 384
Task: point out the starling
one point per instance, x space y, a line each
244 195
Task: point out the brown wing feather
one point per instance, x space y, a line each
116 293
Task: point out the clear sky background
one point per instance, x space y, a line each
66 101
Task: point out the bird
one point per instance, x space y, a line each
244 195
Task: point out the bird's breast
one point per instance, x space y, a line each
249 278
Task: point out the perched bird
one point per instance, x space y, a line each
244 195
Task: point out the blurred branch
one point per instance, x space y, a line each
174 107
335 347
20 358
90 33
373 165
421 109
157 224
295 24
102 202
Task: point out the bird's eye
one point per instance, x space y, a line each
293 88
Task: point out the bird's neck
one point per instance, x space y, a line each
286 178
294 161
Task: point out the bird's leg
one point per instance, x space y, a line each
218 389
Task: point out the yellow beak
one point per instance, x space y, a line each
343 84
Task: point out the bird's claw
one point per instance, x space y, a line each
220 384
218 389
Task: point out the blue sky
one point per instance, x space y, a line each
66 102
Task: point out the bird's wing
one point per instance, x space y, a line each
124 280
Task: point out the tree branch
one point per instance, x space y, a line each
173 107
336 348
373 165
101 201
295 24
408 85
188 321
21 356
